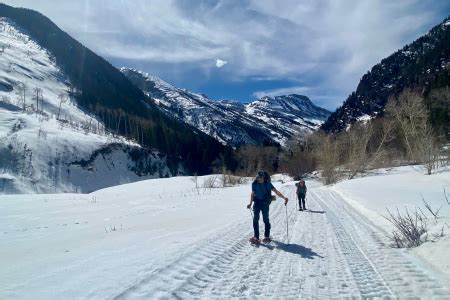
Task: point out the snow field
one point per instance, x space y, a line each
54 245
174 241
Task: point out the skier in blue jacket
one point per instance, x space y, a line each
261 198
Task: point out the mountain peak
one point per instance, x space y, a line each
144 76
283 98
294 104
231 122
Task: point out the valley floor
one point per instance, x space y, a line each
165 239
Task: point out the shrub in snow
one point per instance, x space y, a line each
411 228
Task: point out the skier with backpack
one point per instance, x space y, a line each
261 198
301 194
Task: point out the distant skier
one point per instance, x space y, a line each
261 197
301 194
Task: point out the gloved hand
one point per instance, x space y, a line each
286 200
249 206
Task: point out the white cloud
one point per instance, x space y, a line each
325 43
282 91
220 63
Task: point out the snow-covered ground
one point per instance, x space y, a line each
164 238
406 188
40 148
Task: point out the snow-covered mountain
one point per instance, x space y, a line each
423 65
49 144
233 123
99 88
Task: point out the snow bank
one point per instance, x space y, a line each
403 188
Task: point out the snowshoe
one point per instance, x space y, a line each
267 240
254 241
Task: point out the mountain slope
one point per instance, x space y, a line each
267 120
47 143
100 89
423 64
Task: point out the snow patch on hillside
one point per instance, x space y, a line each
41 139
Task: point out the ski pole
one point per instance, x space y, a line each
287 226
251 214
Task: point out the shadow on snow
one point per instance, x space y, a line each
304 252
316 211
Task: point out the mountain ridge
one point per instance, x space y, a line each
265 120
99 89
423 64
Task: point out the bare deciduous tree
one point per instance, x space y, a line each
21 93
252 158
328 156
298 157
428 148
412 118
62 99
356 141
37 96
383 132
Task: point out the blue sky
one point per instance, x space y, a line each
244 49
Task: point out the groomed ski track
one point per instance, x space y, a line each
333 252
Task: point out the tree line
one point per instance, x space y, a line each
403 135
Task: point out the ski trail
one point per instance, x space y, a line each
201 266
386 267
333 253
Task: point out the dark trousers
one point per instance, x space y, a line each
264 209
301 199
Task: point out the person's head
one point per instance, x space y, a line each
260 176
302 182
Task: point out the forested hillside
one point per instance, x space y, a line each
423 65
101 89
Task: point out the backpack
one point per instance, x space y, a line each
299 187
269 196
266 177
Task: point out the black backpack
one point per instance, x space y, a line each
266 177
269 197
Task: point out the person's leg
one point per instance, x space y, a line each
256 211
299 201
303 200
265 213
